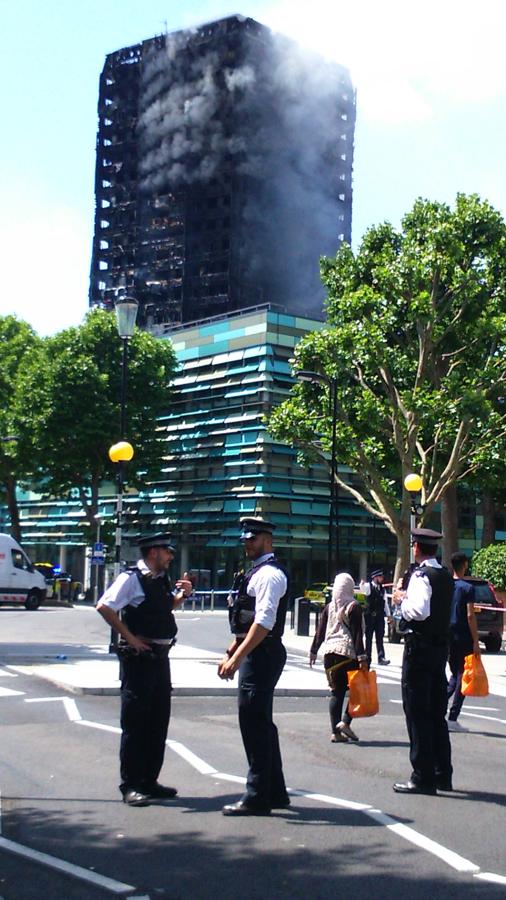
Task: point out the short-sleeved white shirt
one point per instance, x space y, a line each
126 589
268 585
416 604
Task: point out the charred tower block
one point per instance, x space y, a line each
224 171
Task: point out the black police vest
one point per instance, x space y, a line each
435 629
153 618
376 600
241 611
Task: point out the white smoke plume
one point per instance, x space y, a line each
278 120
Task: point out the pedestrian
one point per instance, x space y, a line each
425 612
139 607
257 620
463 636
340 630
374 615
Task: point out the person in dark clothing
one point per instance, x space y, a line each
374 615
340 632
147 629
463 636
257 614
426 614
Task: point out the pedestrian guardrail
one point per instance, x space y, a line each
207 600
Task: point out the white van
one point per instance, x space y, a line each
19 581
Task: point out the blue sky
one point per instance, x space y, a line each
431 90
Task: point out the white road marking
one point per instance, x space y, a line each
452 859
69 705
7 692
5 674
478 716
489 876
420 840
108 884
199 764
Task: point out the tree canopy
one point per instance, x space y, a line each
415 341
19 342
69 400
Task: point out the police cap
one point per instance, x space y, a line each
254 525
377 573
425 535
163 539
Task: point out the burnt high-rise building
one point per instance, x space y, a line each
224 171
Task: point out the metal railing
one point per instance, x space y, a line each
210 600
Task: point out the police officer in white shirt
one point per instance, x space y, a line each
139 607
425 607
257 617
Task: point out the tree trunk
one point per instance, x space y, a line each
449 524
488 508
12 505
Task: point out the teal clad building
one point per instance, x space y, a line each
221 464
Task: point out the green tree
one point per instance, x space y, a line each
69 398
416 342
19 343
490 563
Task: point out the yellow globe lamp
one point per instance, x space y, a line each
413 483
121 452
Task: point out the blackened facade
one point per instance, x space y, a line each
224 171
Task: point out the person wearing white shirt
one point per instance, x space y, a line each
425 607
257 611
139 607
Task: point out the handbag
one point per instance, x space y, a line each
474 677
363 694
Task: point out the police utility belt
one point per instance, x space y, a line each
156 650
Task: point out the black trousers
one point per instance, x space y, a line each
340 687
145 713
456 657
374 626
259 673
424 701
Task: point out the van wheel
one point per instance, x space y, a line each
493 643
32 601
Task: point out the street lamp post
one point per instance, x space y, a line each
333 527
414 484
98 520
126 314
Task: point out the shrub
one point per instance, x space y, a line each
490 563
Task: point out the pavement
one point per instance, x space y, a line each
194 672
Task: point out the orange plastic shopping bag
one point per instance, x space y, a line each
363 694
474 677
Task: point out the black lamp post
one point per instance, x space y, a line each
126 314
333 533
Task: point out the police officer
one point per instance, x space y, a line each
147 630
425 611
374 615
257 619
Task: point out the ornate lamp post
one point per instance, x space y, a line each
333 527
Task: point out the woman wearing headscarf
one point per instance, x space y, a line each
340 630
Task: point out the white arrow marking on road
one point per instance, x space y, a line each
70 705
7 692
